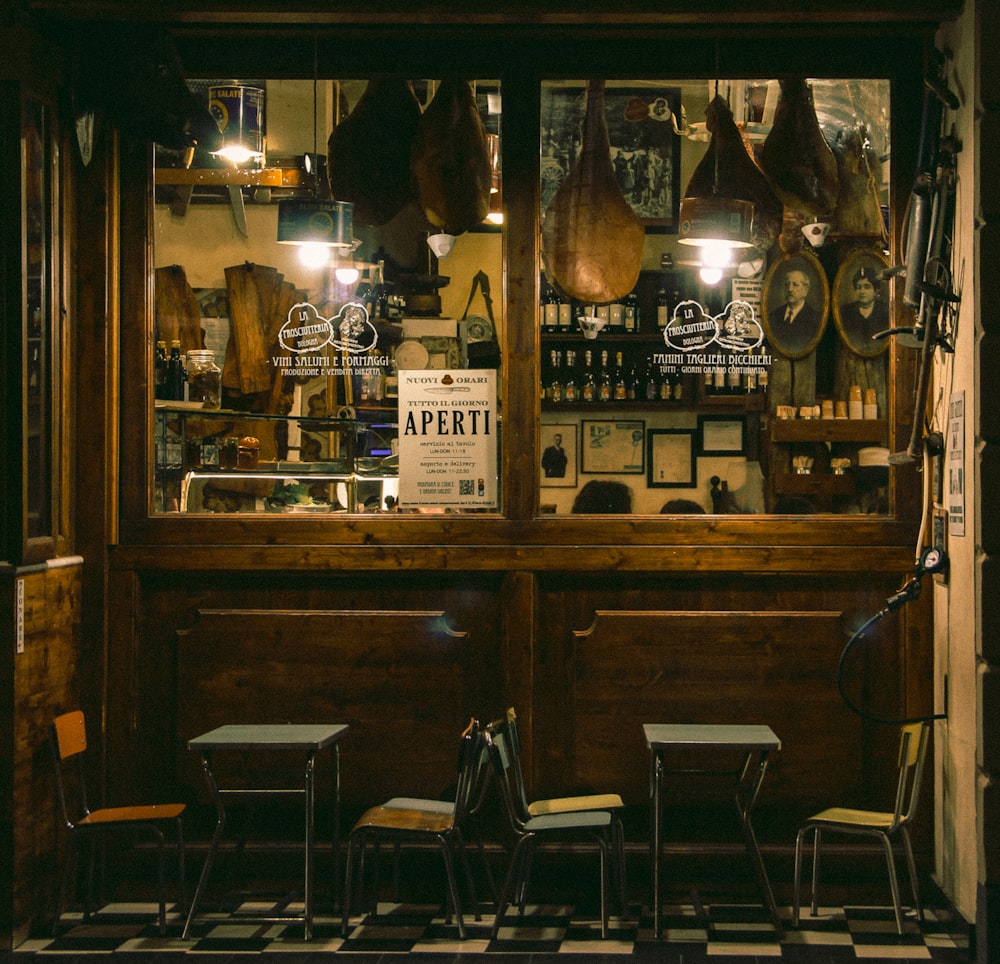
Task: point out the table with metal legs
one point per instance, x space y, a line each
306 738
755 742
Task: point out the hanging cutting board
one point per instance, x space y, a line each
591 238
178 315
253 291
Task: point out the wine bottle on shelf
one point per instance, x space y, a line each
160 370
604 387
569 386
733 379
651 389
588 384
554 391
662 308
630 312
550 310
565 316
176 374
633 385
616 318
619 385
666 387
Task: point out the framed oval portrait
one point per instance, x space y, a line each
861 302
795 304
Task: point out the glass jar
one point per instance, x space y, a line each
204 378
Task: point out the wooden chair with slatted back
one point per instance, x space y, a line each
69 744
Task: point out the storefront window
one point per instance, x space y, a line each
671 376
357 375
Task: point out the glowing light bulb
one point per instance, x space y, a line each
237 154
314 255
710 276
347 274
716 254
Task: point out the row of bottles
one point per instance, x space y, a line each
587 376
574 377
559 315
198 379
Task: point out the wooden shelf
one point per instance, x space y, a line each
289 177
819 484
828 430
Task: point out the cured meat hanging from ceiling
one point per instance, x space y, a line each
450 160
592 240
369 151
795 156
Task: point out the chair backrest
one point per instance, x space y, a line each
516 767
498 744
472 759
69 741
913 742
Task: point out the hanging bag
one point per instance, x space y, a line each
479 335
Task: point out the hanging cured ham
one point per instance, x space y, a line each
591 238
450 162
795 156
728 170
858 208
369 151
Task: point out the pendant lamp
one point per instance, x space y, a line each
716 225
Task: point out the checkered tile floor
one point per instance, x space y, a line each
690 935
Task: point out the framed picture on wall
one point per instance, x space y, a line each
672 459
557 467
861 302
721 435
643 127
795 304
613 448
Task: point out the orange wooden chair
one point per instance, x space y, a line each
69 741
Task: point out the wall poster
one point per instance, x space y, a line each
448 436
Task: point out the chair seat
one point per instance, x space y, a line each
394 818
420 803
834 816
593 801
575 820
148 813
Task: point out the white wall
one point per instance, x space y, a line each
955 604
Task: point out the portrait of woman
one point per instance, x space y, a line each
795 304
861 302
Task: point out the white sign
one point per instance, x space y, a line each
955 496
448 435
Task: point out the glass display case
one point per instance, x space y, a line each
219 461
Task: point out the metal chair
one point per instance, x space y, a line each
415 825
913 742
611 802
528 831
69 743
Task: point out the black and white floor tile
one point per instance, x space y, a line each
692 934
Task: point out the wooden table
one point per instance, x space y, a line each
755 742
307 738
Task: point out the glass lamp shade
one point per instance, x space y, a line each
329 223
715 221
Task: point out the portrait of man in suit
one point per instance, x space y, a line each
796 300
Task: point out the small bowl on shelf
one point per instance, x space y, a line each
591 325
